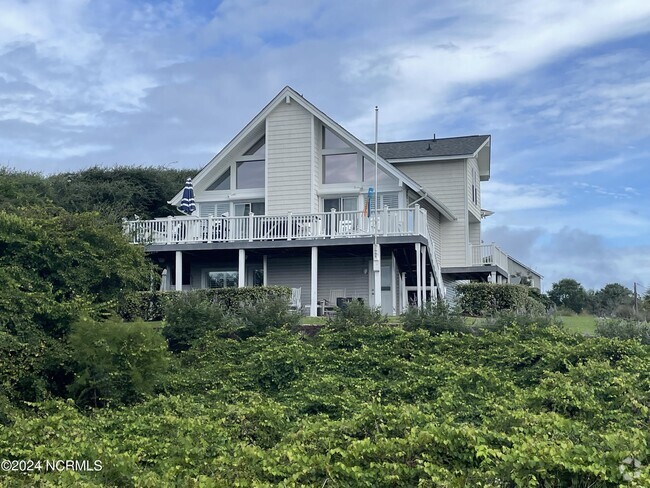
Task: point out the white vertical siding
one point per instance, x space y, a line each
446 181
289 145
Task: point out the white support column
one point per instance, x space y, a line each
393 283
418 273
432 294
423 262
405 296
313 304
179 270
241 275
265 270
376 266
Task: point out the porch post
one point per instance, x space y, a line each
432 290
376 265
313 303
423 262
179 270
405 296
241 275
393 282
265 271
418 273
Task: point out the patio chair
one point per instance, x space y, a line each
295 303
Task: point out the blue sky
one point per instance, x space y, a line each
563 87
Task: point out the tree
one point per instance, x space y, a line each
568 293
611 299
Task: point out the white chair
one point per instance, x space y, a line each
295 299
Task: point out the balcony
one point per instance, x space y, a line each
327 225
488 255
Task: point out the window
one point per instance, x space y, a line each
250 174
257 149
474 187
340 168
332 141
383 178
222 279
221 183
390 200
342 204
244 208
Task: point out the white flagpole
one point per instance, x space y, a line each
376 250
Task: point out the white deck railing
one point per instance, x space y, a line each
489 254
183 230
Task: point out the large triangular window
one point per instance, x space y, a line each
332 141
221 183
258 148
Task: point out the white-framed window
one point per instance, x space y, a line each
221 279
341 204
248 172
242 209
383 178
475 186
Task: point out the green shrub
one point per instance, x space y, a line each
482 299
503 320
152 305
435 317
354 314
116 363
189 316
623 329
258 316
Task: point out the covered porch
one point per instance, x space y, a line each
390 275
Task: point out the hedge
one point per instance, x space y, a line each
150 305
481 299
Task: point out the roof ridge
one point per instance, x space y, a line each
431 139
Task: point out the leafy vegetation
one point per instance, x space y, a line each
372 405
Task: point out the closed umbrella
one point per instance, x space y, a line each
187 205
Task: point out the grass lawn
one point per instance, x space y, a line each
584 324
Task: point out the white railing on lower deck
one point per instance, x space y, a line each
489 254
182 230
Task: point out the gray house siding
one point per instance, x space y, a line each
337 273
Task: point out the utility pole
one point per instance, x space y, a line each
636 304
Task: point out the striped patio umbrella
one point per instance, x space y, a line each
187 203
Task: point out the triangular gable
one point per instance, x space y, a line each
289 93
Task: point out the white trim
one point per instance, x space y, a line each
179 271
241 269
313 305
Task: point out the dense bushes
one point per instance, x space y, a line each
367 406
191 315
624 329
355 314
483 299
151 305
435 317
115 363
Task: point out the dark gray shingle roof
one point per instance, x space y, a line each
449 146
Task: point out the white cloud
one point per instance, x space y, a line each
504 197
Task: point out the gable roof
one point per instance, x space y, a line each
449 147
289 93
